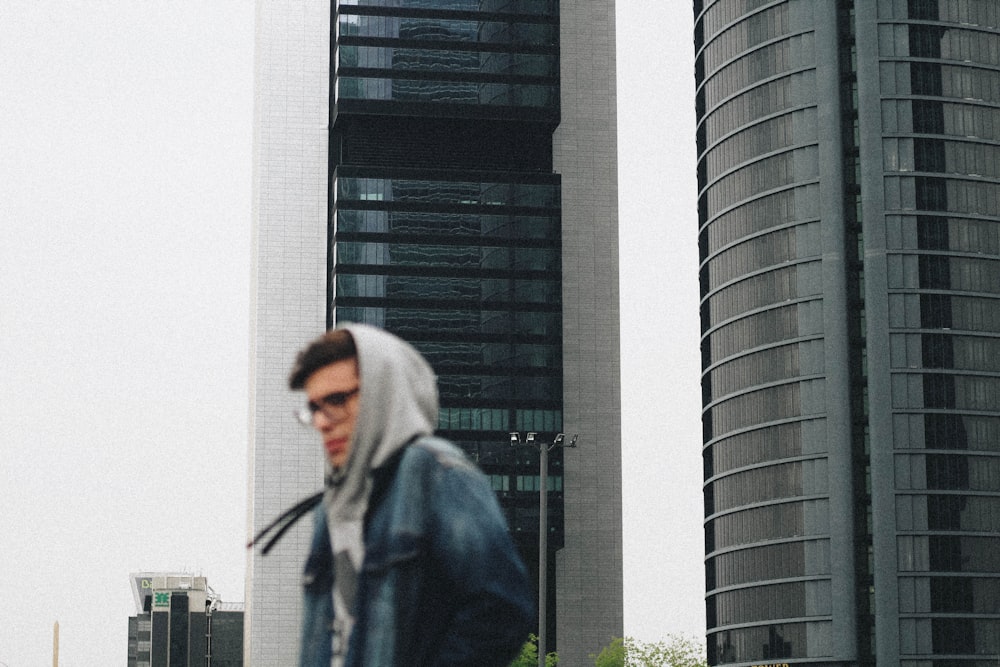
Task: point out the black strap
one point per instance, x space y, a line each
288 518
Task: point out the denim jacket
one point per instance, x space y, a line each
442 583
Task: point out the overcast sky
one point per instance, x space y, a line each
125 160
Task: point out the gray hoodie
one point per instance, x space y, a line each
398 401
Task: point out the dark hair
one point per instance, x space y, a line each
333 346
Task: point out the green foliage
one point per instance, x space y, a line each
529 655
675 651
612 655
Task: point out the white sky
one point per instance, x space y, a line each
125 141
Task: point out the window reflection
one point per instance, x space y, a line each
758 446
963 554
769 326
764 100
772 364
959 313
952 431
495 6
764 643
402 59
770 522
764 174
759 603
770 211
450 92
445 192
758 485
446 30
448 224
774 561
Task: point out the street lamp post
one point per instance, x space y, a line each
531 439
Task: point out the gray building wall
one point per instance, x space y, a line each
585 147
289 283
291 110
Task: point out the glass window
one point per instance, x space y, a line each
757 291
963 473
500 388
487 258
401 59
755 408
979 514
960 352
963 392
766 174
769 326
975 12
425 192
492 6
968 636
770 211
770 522
476 353
958 234
959 313
964 595
723 12
758 446
797 52
928 117
925 79
952 431
435 29
769 98
769 365
759 603
964 554
752 30
761 252
774 561
447 224
764 644
757 485
447 92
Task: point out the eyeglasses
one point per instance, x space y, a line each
334 406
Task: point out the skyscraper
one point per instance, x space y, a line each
849 212
446 169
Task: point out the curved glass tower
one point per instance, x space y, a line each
849 212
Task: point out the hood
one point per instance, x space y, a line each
398 401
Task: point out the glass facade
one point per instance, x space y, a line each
496 59
445 221
849 213
470 273
767 514
941 216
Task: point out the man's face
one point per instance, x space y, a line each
332 392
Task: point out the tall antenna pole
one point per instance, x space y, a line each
55 645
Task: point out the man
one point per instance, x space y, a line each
411 562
